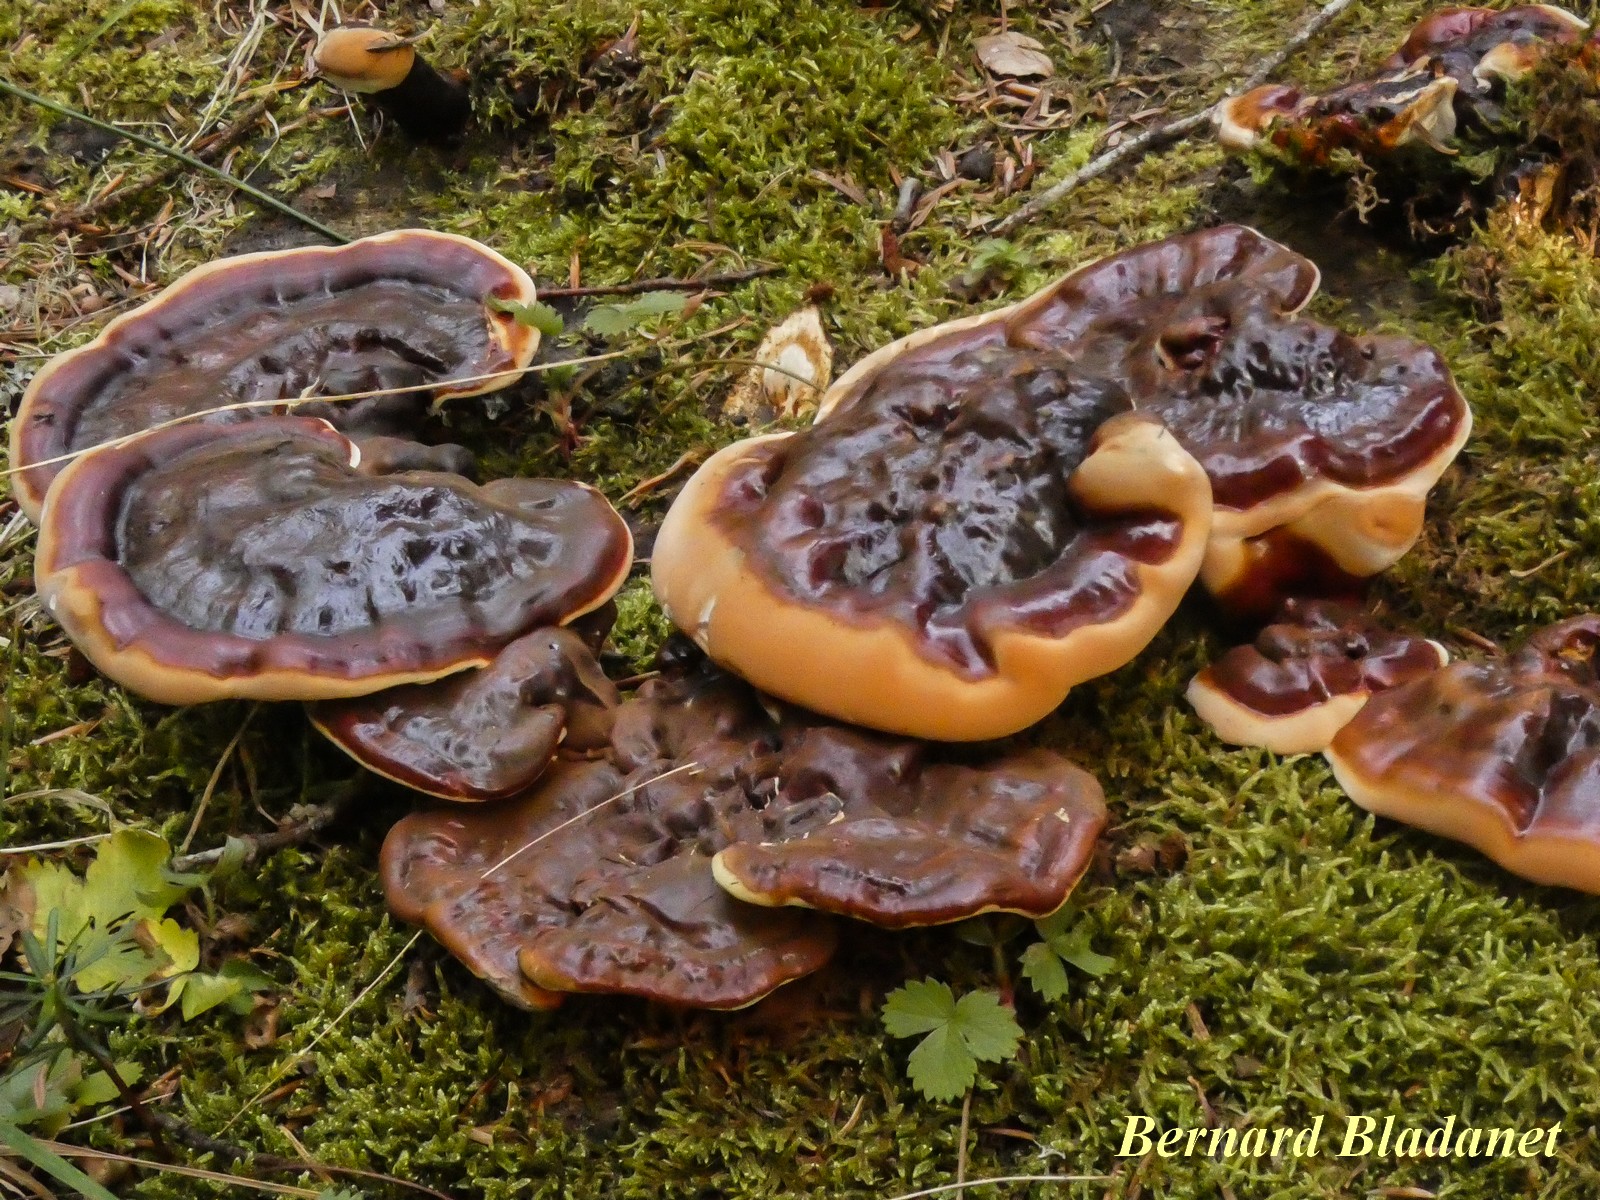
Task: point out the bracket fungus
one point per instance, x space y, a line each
480 735
201 562
1501 755
428 105
1305 676
1450 70
403 309
604 877
986 513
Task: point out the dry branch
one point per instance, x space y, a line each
1172 130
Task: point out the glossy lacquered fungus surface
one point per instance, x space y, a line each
1503 755
205 561
484 734
792 811
942 493
1449 70
951 537
401 309
1306 675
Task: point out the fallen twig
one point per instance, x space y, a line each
189 160
658 285
1173 130
305 823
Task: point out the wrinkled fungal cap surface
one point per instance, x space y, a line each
1375 116
397 310
1502 755
945 558
924 560
1320 446
884 832
792 812
480 735
1475 45
201 562
1305 676
1442 74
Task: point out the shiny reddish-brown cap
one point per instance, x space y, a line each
480 735
1502 755
1306 675
202 562
413 308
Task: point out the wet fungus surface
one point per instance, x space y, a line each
604 877
485 734
202 561
1305 676
988 512
1449 74
1502 755
401 309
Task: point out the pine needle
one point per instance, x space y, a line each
188 160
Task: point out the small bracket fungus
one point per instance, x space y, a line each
1448 72
1502 755
604 877
480 735
401 309
429 106
201 562
882 832
1305 676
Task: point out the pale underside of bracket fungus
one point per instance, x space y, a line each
1305 676
604 877
951 546
400 309
1502 755
202 562
1451 69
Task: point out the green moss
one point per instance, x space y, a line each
1305 960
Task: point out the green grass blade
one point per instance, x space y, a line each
51 1163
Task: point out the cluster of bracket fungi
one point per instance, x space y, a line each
1450 74
983 515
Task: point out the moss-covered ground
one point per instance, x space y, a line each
1285 957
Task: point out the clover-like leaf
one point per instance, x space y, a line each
1044 971
959 1033
1066 942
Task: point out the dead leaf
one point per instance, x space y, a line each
798 347
1014 55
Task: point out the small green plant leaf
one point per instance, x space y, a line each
536 315
1073 947
941 1067
609 320
988 1027
1066 941
99 1089
201 993
1044 971
919 1007
959 1033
